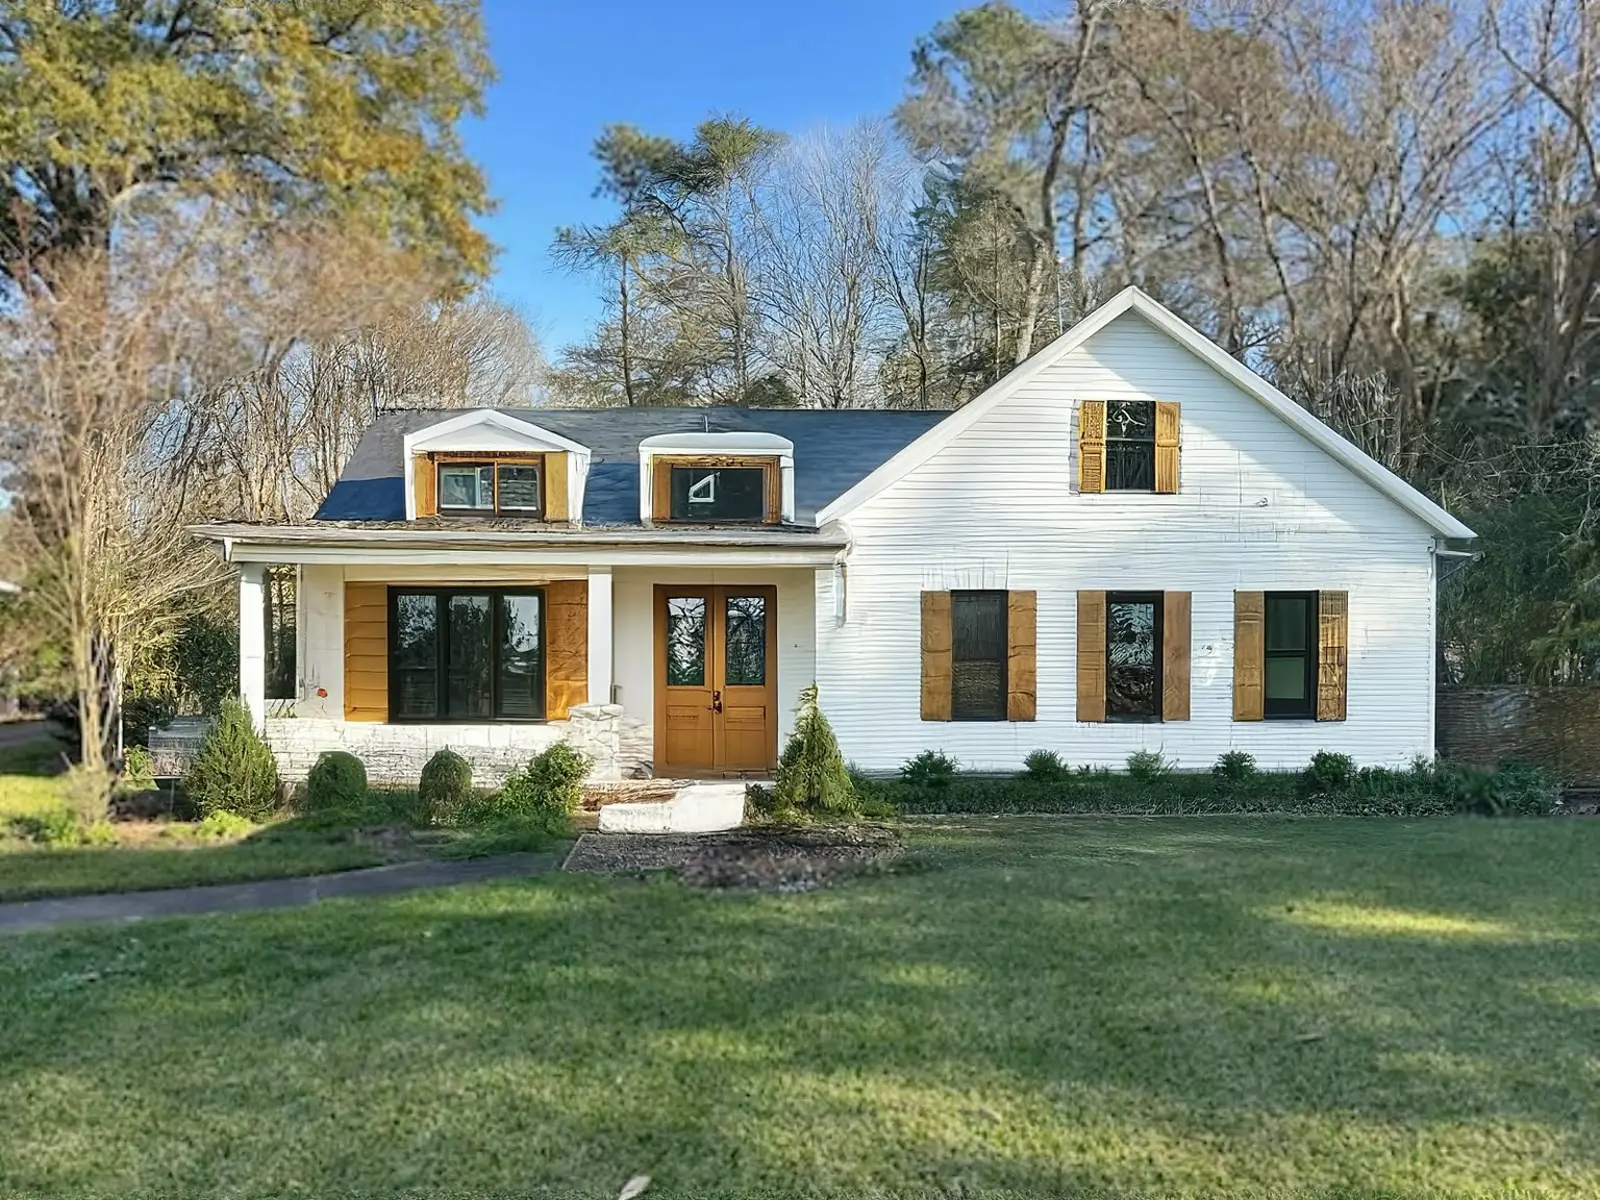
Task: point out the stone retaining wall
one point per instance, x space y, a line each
395 754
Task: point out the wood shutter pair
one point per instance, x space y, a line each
938 656
1092 446
1174 651
1250 655
366 649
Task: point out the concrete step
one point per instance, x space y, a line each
697 808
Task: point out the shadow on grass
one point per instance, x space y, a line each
1189 1007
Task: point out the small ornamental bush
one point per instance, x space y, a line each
931 768
138 768
1327 774
1235 766
1043 766
812 776
337 783
1147 765
445 791
234 771
546 793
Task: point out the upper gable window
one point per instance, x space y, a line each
487 488
1131 446
719 493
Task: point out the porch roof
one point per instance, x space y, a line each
521 541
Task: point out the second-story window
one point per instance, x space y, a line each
719 493
513 489
1131 446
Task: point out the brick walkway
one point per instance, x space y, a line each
119 907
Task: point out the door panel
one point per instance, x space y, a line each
716 679
685 738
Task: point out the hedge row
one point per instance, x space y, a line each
1422 791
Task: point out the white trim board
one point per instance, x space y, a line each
1131 298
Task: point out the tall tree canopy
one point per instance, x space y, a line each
340 108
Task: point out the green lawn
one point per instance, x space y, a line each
1200 1006
144 858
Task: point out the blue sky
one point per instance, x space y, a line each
569 67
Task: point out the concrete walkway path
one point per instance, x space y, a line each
28 916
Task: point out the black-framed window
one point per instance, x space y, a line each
719 493
484 488
1290 670
978 622
1131 446
466 654
1133 656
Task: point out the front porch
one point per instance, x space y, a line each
592 653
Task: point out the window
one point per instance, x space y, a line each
486 488
1133 656
469 655
1290 667
1131 446
280 597
978 656
719 493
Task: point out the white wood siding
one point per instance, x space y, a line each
1259 508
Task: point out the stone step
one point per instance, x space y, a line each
697 808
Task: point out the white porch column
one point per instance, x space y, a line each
600 635
253 641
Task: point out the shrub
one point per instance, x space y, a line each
138 769
223 825
1043 766
1235 766
234 770
931 768
811 773
1327 774
337 782
86 792
445 789
1147 765
546 793
1516 789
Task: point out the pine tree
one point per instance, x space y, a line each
811 773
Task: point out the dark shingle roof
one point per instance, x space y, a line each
833 451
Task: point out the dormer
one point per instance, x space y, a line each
487 464
742 478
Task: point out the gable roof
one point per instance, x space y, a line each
833 451
1132 299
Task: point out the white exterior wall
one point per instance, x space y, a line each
1259 508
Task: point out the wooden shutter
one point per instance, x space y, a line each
1092 446
366 652
1333 654
566 656
937 661
1022 622
1175 639
1091 656
1249 656
554 476
1168 426
424 479
661 489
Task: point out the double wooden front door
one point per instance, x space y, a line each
716 679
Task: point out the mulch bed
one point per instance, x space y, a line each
778 859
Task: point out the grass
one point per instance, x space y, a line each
170 854
1092 1006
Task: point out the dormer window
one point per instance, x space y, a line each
719 493
508 488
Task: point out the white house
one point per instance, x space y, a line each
1130 542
